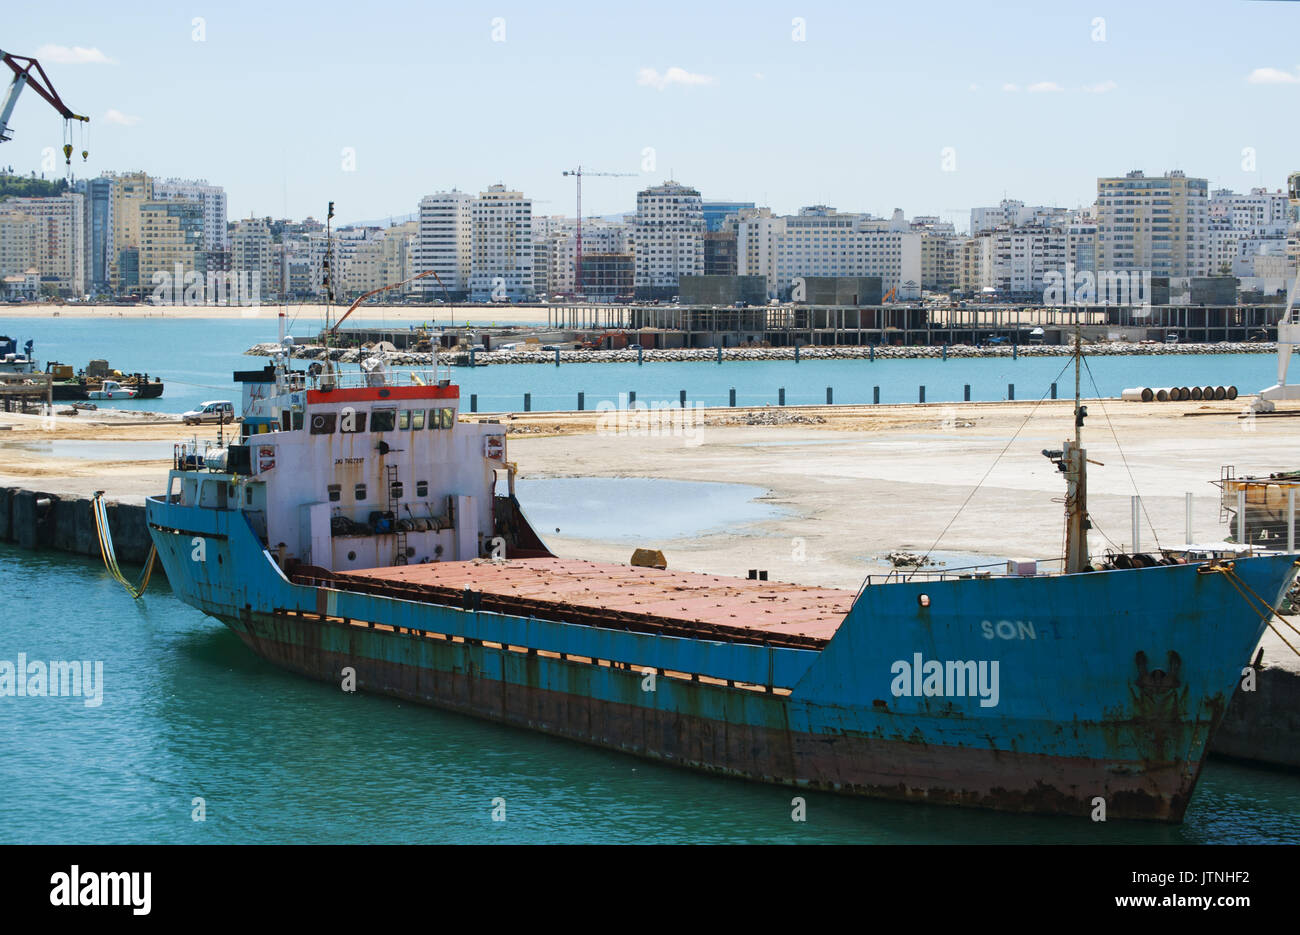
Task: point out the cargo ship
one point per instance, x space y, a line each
359 533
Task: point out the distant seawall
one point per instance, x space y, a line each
35 519
711 354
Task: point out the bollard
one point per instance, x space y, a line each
1011 391
922 399
830 397
682 397
780 396
1053 391
732 401
966 394
875 394
528 402
581 399
473 402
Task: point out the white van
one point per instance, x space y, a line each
215 410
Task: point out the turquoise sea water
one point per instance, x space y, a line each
195 358
189 712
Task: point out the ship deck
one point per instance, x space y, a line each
607 594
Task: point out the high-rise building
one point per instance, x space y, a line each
129 192
213 199
445 244
99 231
252 251
668 238
1159 224
1011 213
502 254
171 246
49 235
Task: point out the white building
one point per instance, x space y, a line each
1011 214
561 247
213 199
445 243
668 236
820 241
251 251
501 258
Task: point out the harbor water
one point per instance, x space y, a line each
195 359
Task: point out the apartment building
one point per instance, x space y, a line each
1159 224
444 244
667 238
47 234
502 248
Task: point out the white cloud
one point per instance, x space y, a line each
650 77
1272 76
1101 87
120 119
1010 87
1043 86
72 55
974 87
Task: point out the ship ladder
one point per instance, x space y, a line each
100 511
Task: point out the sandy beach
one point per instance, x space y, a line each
397 315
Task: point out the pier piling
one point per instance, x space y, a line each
1053 391
732 398
1011 391
528 402
830 397
875 394
681 397
780 396
966 393
921 397
473 402
581 399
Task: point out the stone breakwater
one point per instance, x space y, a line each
709 355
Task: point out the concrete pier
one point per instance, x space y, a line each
36 519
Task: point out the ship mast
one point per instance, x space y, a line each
1075 465
1072 461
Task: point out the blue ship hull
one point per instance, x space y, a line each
1067 692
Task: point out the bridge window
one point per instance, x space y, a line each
403 419
417 419
335 492
421 488
360 492
395 490
322 423
383 420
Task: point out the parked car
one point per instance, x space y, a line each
216 410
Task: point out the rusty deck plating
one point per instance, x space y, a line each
728 608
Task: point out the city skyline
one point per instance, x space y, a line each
863 110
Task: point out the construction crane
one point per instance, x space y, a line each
28 71
578 173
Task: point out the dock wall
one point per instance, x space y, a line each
35 519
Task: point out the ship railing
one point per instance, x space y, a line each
435 376
1041 568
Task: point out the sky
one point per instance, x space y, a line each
929 107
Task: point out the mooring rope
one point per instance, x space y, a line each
100 511
1247 592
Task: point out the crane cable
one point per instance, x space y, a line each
100 511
